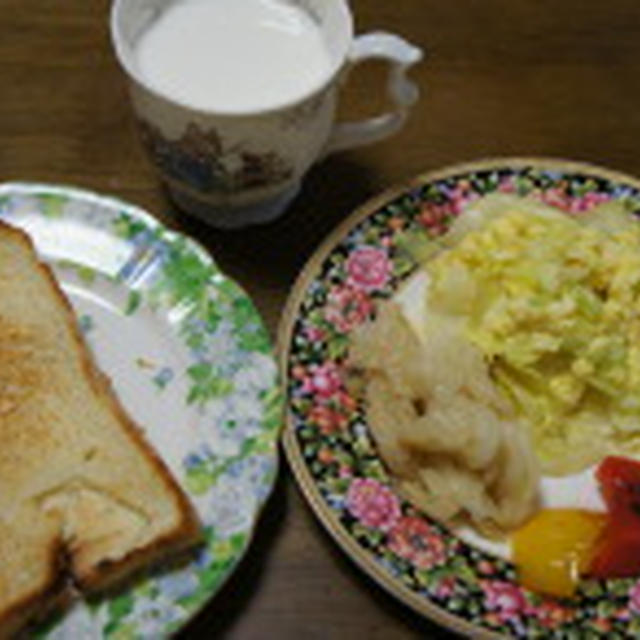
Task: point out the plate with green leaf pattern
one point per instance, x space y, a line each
191 361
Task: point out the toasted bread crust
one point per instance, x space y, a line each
188 531
52 589
33 604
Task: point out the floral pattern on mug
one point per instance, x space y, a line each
202 161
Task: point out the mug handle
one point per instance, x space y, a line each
403 92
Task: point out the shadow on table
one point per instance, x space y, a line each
278 250
414 622
221 614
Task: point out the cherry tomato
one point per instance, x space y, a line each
619 480
617 552
617 555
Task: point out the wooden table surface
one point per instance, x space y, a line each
503 77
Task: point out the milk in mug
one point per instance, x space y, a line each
233 55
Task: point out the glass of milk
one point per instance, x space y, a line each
236 99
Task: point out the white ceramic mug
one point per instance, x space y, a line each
237 169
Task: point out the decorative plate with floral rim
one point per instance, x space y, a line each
462 586
191 361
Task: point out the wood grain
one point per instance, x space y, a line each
503 77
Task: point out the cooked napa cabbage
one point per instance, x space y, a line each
553 303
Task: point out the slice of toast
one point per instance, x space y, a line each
83 497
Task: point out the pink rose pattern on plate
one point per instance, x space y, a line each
415 540
367 266
373 504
